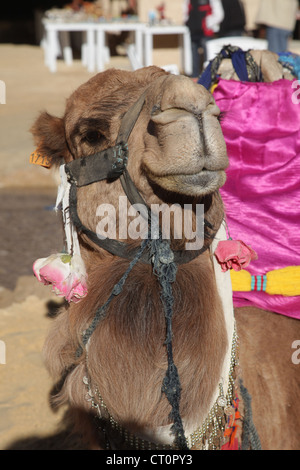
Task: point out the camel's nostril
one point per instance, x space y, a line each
151 129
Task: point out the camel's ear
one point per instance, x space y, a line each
49 136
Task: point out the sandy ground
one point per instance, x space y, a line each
29 229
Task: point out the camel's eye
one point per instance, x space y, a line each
93 137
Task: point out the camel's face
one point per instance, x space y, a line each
177 141
176 149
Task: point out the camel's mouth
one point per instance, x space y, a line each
199 184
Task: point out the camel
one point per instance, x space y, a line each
167 364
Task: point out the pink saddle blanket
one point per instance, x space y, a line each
261 127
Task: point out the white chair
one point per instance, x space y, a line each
136 64
214 46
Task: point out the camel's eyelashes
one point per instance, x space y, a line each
93 137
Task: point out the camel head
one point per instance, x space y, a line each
176 148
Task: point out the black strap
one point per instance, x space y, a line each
133 194
109 163
129 119
114 247
121 249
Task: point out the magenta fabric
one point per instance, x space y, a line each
262 192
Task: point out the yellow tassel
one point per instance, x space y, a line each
285 281
213 87
240 280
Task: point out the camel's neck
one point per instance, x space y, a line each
127 355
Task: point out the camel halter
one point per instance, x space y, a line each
111 164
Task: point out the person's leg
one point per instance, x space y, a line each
277 39
283 39
272 38
195 59
196 42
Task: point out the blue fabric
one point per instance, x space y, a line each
291 61
205 78
239 64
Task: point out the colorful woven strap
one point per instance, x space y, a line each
259 283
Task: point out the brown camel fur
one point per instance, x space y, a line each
177 155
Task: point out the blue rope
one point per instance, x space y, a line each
250 438
101 311
165 269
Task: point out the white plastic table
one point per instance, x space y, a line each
96 50
186 48
54 27
111 27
